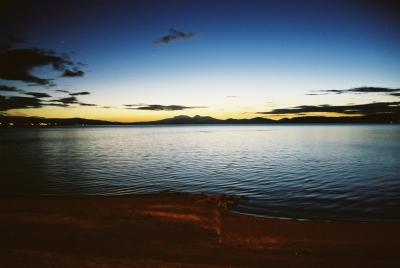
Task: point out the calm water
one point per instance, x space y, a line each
317 171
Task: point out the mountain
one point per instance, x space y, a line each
184 119
22 121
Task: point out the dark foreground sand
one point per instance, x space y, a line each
179 230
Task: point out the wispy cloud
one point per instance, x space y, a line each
174 35
364 109
38 94
158 107
36 99
80 93
9 89
358 90
16 102
68 100
135 105
73 73
315 94
62 91
5 88
86 104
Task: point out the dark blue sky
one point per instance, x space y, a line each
267 54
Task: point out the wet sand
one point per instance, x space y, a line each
179 230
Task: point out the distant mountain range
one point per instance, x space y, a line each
183 120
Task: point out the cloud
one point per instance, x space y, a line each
73 73
79 93
135 105
364 109
65 102
173 36
38 94
8 41
62 91
17 63
358 90
16 102
396 94
158 107
56 104
35 101
86 104
315 94
68 100
9 89
231 96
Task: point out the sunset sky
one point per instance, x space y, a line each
148 60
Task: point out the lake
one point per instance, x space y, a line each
329 172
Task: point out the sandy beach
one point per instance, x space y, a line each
179 230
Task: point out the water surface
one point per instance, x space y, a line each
336 172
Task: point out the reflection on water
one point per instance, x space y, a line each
329 172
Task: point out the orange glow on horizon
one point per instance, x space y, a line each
126 116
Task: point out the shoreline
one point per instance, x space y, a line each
355 221
179 230
233 200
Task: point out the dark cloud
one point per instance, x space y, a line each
358 90
73 73
135 105
173 36
157 107
315 94
56 104
8 41
396 94
62 91
65 102
17 63
79 93
68 100
15 102
38 94
9 89
86 104
364 109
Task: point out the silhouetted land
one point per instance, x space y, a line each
392 118
179 230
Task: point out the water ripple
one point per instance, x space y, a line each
326 172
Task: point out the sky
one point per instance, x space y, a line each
147 60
